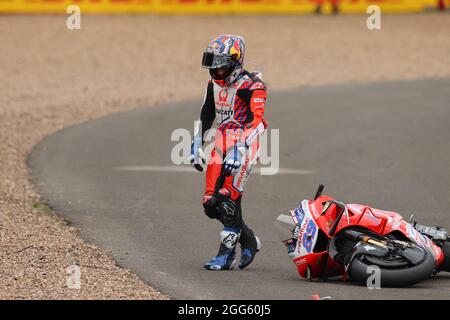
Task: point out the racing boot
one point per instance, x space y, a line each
250 245
226 257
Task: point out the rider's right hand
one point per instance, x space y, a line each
197 156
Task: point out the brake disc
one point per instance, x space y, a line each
387 262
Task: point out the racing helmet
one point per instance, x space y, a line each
224 57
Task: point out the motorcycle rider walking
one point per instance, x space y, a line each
236 99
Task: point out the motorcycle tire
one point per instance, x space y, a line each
396 278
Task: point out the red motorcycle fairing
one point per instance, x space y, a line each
312 219
307 228
391 222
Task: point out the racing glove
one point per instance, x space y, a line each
233 159
197 156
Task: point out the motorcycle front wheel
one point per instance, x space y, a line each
394 271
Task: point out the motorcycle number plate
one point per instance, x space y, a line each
307 230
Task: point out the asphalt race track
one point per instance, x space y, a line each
382 144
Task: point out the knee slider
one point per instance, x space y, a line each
210 207
229 210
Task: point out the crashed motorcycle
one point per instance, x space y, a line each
325 238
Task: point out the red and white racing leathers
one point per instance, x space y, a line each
238 110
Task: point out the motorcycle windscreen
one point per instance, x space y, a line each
284 226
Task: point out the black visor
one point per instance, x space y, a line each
211 60
207 60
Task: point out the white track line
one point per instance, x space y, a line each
189 169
